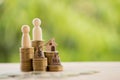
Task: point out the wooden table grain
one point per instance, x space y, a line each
72 71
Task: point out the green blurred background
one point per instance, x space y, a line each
85 30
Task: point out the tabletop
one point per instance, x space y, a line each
72 71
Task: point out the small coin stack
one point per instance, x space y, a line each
55 68
55 64
49 55
26 51
52 56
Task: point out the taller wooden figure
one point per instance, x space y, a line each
37 34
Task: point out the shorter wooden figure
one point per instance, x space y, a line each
51 45
26 42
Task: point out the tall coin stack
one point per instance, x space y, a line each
39 61
26 59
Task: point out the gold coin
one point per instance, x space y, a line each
49 56
55 68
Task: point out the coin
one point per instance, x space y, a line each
55 68
49 56
40 64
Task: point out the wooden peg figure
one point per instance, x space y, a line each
26 42
37 31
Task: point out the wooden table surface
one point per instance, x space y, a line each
72 71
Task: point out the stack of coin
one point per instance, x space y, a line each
55 63
26 55
38 44
39 64
49 56
55 68
26 66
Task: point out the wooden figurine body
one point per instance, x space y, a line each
37 31
26 42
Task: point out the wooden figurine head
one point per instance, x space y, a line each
25 29
36 22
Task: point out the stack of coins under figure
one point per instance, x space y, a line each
55 64
49 56
52 56
26 51
39 61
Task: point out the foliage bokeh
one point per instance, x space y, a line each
86 30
